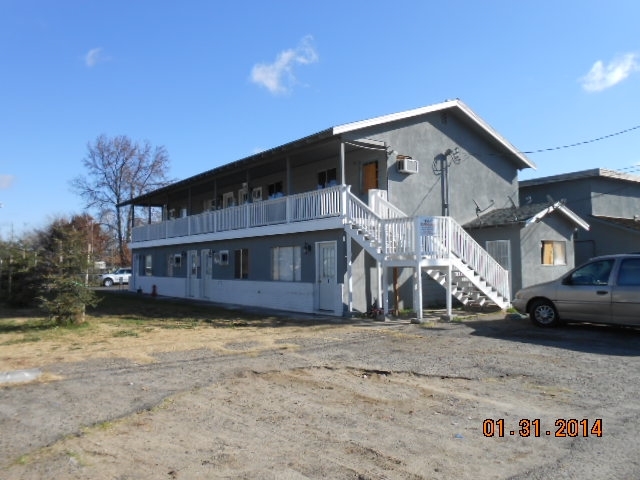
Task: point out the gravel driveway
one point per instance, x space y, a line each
368 400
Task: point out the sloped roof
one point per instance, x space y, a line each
594 172
323 136
524 216
457 105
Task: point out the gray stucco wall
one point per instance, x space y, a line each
601 196
511 234
553 228
576 194
481 175
589 196
259 255
604 239
526 248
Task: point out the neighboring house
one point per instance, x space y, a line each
534 242
337 221
608 200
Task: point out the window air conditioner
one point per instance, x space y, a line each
406 164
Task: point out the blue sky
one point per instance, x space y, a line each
216 81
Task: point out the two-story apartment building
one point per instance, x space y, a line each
353 215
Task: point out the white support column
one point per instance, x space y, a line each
288 176
379 286
417 290
449 267
417 273
342 163
385 290
449 286
349 274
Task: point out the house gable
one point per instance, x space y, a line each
528 228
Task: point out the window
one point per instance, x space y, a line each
275 190
594 273
241 265
256 194
500 250
148 265
285 264
554 252
327 178
243 196
209 204
629 274
173 261
228 200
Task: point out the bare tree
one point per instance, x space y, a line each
119 169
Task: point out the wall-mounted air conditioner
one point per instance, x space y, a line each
406 164
221 257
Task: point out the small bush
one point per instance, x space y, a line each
65 301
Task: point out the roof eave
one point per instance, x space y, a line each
522 160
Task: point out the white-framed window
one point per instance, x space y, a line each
500 250
286 264
243 196
327 178
554 252
241 263
174 261
148 265
228 200
208 204
274 190
256 194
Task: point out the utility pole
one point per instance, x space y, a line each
441 167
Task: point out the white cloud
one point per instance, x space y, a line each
6 181
278 77
94 56
601 76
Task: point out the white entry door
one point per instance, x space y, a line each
193 282
326 268
206 258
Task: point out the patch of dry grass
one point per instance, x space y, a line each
137 327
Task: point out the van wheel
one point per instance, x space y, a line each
543 313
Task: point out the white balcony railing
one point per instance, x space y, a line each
393 235
294 208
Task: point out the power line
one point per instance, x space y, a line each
561 147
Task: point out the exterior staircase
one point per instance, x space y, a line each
394 239
468 287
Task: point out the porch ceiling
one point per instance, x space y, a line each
265 163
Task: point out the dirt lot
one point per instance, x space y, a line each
311 398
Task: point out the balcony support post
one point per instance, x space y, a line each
417 290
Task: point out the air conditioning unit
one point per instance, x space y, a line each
406 164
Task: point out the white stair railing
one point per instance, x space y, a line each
383 208
360 216
472 254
